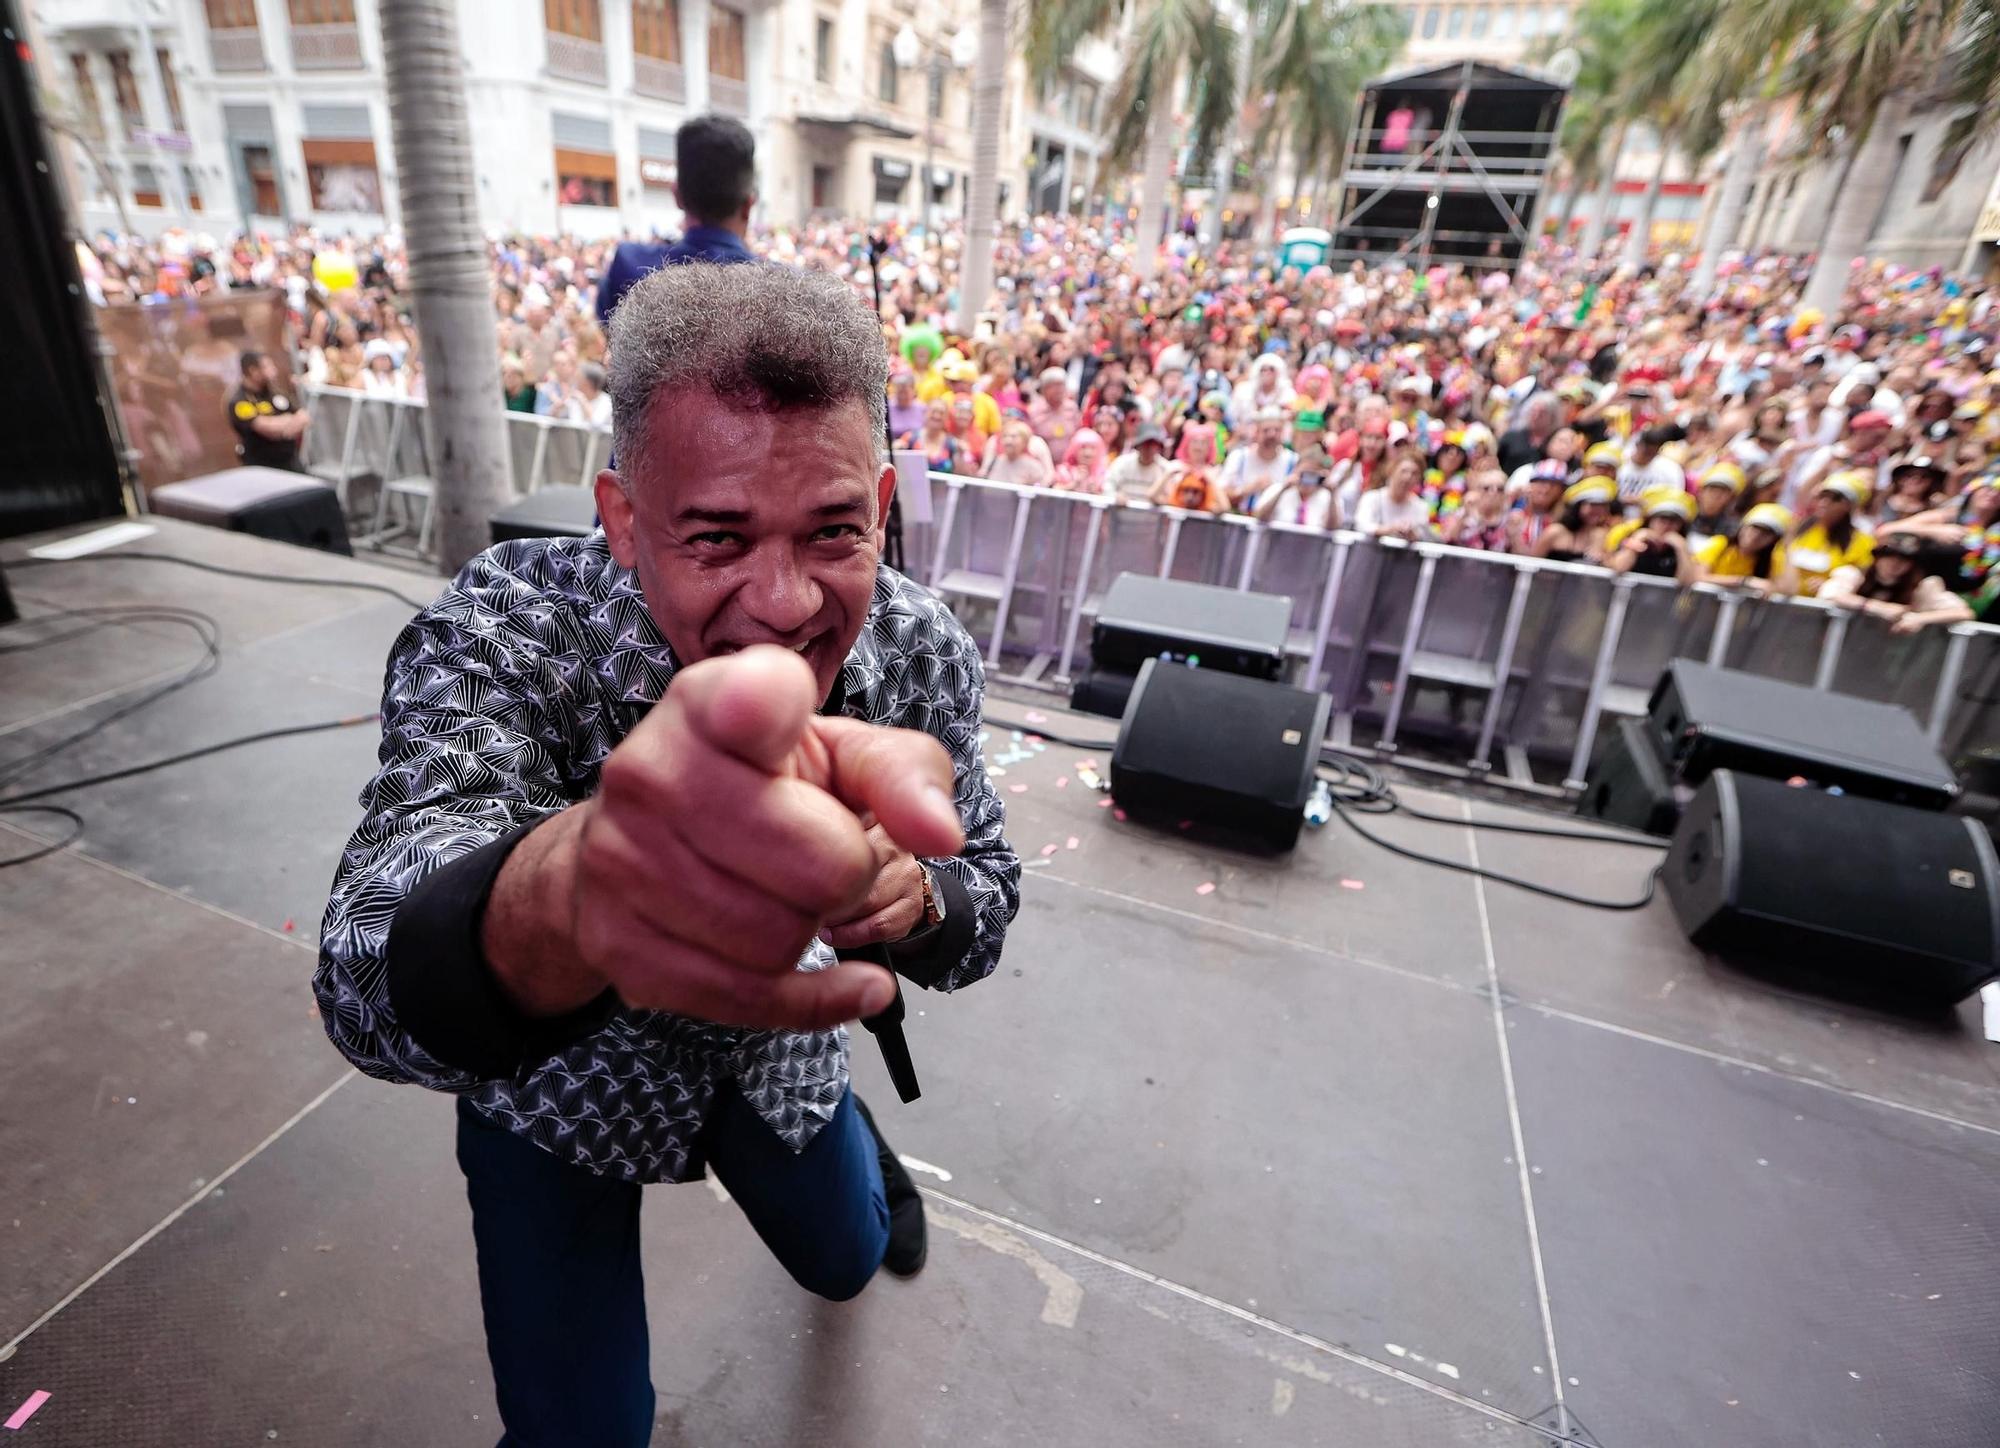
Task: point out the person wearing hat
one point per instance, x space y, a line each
1863 448
1266 386
1445 478
1602 460
1250 471
1304 499
1142 467
267 423
1715 503
1755 557
1204 441
380 377
1053 413
1308 429
1896 586
1962 534
1828 538
1645 467
1580 535
1538 508
959 376
1655 544
1915 485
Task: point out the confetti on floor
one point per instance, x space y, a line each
1037 741
1120 815
996 774
1048 850
1036 716
28 1409
290 924
1206 887
1106 804
1352 885
1071 843
1061 780
1018 788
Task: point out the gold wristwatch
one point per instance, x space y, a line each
933 907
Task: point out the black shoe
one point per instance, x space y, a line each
908 1242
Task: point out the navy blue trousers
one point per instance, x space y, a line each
559 1279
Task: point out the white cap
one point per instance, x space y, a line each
1054 374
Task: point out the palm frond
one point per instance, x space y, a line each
1051 30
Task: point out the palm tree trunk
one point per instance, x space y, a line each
989 84
1641 235
1267 198
449 282
1600 219
1737 178
1858 205
1152 227
1225 150
1567 216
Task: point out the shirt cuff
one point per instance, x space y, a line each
932 955
442 990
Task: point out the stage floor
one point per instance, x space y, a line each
1343 1150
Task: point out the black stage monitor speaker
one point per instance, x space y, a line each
1629 785
1233 753
1705 718
557 511
1220 629
1870 898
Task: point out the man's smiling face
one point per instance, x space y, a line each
751 526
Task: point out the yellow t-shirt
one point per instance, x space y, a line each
1721 556
1620 532
931 385
1813 556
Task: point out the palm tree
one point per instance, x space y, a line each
451 288
1891 56
1315 58
989 86
1167 45
1596 117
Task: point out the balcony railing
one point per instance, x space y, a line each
326 47
663 80
573 58
732 97
236 48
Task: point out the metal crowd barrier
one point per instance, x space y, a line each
1490 660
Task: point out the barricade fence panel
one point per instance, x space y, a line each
1471 652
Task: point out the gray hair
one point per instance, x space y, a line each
755 334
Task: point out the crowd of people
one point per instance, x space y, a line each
1568 410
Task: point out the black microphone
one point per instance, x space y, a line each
886 1025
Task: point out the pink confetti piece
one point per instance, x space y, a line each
28 1409
1206 887
1352 885
1061 780
1120 815
290 925
1103 804
1036 716
1036 740
1048 850
1017 789
1071 843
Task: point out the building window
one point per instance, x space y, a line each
1085 94
341 176
725 43
231 14
262 175
1431 23
891 179
191 188
583 19
822 188
126 87
1531 21
92 109
656 29
146 186
172 86
322 12
885 85
585 178
823 50
1503 22
1454 22
1482 16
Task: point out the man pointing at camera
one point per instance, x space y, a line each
636 788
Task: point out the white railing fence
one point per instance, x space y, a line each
1490 660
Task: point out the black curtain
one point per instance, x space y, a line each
58 465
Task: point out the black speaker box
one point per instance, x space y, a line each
1142 617
1629 785
1233 753
1101 692
557 511
1704 718
1868 898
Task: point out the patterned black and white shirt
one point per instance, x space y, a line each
501 701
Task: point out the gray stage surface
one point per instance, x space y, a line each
1342 1150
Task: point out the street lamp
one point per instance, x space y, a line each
906 50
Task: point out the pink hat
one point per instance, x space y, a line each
1871 418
